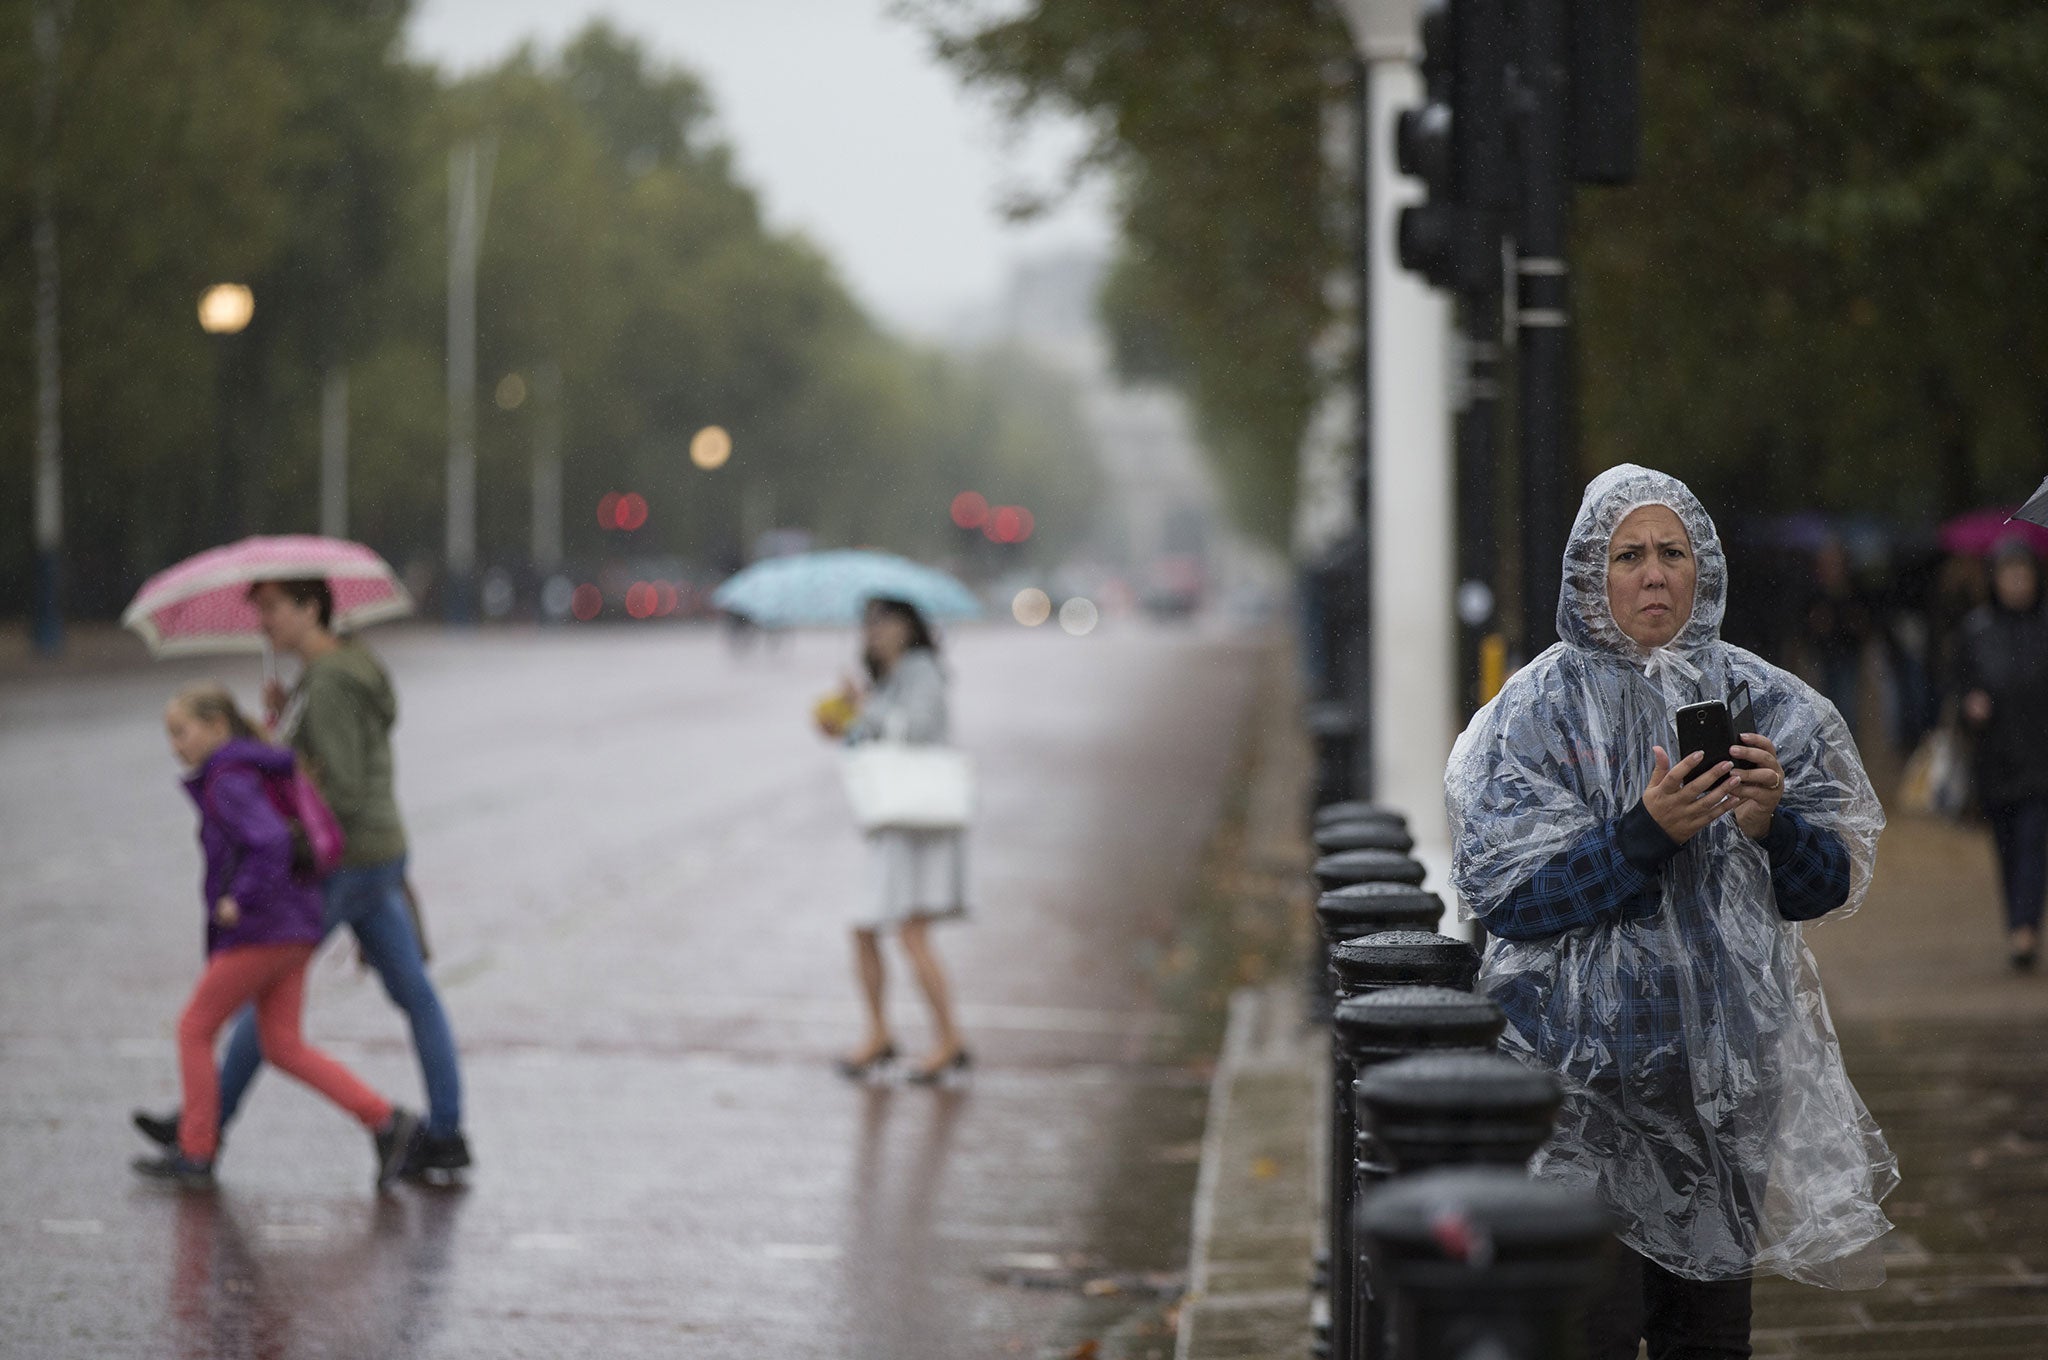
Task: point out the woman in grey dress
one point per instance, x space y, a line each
915 877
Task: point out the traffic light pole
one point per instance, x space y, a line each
1478 442
1356 664
46 604
1543 311
469 197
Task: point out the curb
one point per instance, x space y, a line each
1252 1244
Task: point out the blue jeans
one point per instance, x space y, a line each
371 901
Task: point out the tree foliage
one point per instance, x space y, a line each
295 150
1209 115
1824 290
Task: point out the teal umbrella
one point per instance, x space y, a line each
833 587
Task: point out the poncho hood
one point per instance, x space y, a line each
1583 617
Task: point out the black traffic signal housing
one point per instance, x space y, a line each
1456 143
1606 90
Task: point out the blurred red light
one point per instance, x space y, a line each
640 600
587 602
608 511
1010 524
665 598
970 510
632 511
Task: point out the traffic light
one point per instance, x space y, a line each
1456 144
1606 90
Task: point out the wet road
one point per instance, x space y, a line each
633 857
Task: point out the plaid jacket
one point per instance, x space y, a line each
1613 875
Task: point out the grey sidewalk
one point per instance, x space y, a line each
1256 1200
1256 1214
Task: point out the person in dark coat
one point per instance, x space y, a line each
2004 682
1839 626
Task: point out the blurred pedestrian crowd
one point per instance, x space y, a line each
1873 616
1935 650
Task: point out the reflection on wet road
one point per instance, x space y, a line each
633 857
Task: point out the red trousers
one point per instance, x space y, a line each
274 977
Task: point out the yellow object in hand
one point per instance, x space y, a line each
835 712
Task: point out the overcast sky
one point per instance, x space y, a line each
850 130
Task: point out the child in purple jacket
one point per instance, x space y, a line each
262 925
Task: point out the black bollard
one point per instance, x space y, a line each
1359 909
1483 1263
1341 870
1333 729
1331 837
1372 963
1345 871
1456 1109
1404 958
1357 810
1364 866
1373 1029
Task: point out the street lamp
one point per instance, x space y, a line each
711 447
225 311
226 308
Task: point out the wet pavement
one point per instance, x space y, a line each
1949 1048
633 856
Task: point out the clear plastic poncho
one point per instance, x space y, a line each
1706 1101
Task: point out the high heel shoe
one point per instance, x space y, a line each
932 1076
855 1069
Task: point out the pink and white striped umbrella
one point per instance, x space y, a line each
202 605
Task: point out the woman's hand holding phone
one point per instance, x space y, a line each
1684 798
1762 787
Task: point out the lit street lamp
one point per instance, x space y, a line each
710 448
225 311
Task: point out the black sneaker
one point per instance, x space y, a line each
178 1169
437 1157
161 1129
394 1146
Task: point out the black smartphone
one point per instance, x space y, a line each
1740 716
1706 727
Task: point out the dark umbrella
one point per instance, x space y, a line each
2035 511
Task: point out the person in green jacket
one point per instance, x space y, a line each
338 719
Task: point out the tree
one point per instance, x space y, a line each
1823 291
1209 113
305 158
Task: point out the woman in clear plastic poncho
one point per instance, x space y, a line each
1663 976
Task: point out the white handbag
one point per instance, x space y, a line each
895 786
